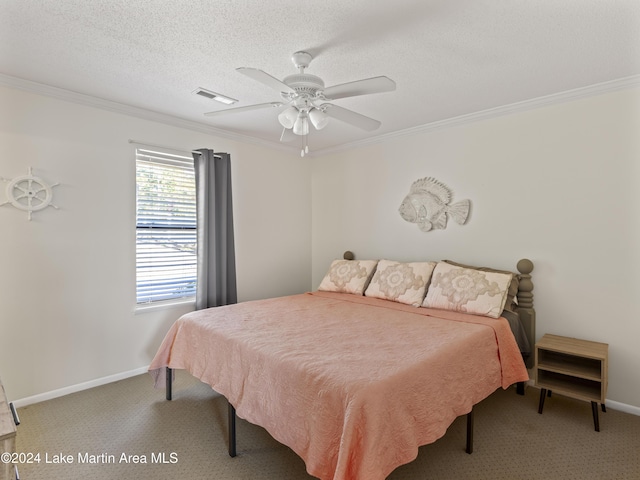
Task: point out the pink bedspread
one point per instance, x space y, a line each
353 385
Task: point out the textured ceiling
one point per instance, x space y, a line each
448 57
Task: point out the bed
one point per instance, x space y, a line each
357 375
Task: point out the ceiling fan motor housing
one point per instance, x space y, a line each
304 83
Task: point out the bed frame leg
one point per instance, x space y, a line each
232 430
469 449
520 388
169 382
596 422
543 394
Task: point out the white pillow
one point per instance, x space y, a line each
401 282
467 290
348 276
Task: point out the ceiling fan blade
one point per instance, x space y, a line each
360 87
287 135
245 109
351 117
265 79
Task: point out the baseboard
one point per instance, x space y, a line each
623 407
23 402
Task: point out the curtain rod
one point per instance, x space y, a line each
145 144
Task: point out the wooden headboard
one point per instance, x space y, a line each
525 301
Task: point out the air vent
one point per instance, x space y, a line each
218 97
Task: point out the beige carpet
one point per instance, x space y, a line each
130 417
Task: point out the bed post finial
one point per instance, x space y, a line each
525 304
525 288
348 255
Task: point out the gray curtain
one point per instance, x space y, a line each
216 251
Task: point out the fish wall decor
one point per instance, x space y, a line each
429 203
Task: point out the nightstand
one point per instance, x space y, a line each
7 436
572 367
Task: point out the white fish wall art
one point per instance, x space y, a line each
429 203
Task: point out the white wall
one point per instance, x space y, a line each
558 185
67 278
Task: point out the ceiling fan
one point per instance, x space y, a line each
306 99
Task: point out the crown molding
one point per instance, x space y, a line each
548 100
88 100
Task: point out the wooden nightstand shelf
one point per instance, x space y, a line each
572 367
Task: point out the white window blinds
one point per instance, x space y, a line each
165 227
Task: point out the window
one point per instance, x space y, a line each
165 227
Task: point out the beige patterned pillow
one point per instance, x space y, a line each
348 276
512 292
401 282
467 290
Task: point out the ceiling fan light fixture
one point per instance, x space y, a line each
301 125
318 118
288 117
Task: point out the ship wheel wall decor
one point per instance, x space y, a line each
29 193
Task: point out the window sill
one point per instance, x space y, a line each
152 307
